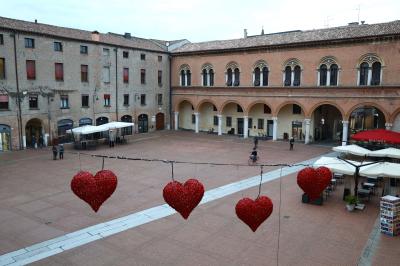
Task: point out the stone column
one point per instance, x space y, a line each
328 77
176 120
219 125
292 78
196 122
275 128
307 134
369 76
388 126
24 141
246 127
345 132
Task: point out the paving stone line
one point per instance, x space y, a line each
92 233
371 246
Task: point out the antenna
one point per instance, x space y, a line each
328 18
358 14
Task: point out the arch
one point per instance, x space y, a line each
278 109
232 65
207 67
184 67
252 104
34 131
223 105
143 123
85 121
292 62
370 58
101 120
5 137
394 115
197 108
176 107
315 106
126 130
260 64
328 61
371 104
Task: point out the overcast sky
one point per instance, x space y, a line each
202 20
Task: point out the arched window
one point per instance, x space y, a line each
376 73
185 75
288 76
229 77
334 75
183 78
297 74
211 73
205 83
323 70
189 77
257 76
364 73
237 77
207 75
265 76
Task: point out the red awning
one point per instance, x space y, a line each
378 135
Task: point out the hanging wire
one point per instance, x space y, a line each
261 177
172 170
279 216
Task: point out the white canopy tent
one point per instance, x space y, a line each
381 169
84 130
336 165
388 152
352 149
115 125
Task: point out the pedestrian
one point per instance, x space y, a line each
61 151
34 145
40 141
255 142
291 142
55 151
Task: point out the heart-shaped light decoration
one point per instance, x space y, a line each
254 212
183 198
314 181
94 190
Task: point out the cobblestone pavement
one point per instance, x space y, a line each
36 204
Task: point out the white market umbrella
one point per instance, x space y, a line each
352 149
84 130
388 152
114 125
336 165
381 169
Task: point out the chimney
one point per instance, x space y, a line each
36 21
245 33
362 22
127 35
95 36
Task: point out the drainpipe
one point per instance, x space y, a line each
19 117
116 82
170 94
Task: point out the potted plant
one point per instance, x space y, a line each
351 202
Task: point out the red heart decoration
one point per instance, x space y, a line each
254 212
314 181
183 198
94 189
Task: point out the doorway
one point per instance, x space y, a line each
5 138
159 121
143 123
240 124
270 128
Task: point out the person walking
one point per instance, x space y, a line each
61 151
34 144
55 151
291 142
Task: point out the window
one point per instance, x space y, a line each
106 74
29 43
33 102
106 52
126 75
205 77
214 108
334 75
239 108
1 39
142 57
84 73
211 74
215 120
159 58
143 76
183 79
250 123
189 78
288 76
297 72
159 99
229 77
364 73
2 68
58 46
185 76
265 72
228 121
84 49
3 102
30 69
64 104
142 99
260 123
59 71
323 73
376 73
256 76
107 100
296 109
159 77
193 119
126 99
85 100
267 110
237 77
125 54
85 121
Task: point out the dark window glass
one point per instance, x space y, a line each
125 54
30 69
159 77
59 71
228 121
33 102
85 121
250 123
193 119
183 83
142 99
1 39
237 77
205 77
159 58
84 49
296 109
2 68
159 99
376 73
126 75
267 110
58 46
211 73
106 52
257 76
142 57
107 100
84 73
85 100
189 77
260 123
297 72
288 76
143 76
334 75
3 102
229 81
265 76
214 108
239 108
126 99
29 43
64 103
364 73
215 120
323 71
